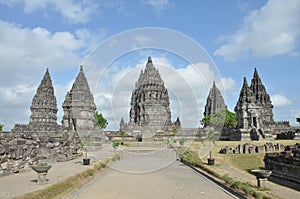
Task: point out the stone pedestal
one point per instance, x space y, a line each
42 178
262 182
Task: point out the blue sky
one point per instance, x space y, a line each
61 34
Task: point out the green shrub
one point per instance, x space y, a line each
116 144
42 164
181 141
89 172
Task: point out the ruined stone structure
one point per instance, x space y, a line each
43 111
254 107
43 138
43 107
285 166
254 111
214 101
79 106
149 107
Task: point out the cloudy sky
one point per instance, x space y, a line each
191 43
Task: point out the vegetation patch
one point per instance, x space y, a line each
62 188
245 188
246 162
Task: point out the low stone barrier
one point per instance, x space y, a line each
250 148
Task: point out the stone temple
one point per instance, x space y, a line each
43 110
214 102
149 107
42 138
79 106
254 111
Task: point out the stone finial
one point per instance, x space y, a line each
149 59
245 83
81 68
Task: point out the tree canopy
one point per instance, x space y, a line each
100 121
223 118
1 127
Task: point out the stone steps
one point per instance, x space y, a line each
146 144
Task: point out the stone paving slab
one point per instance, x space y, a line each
26 182
173 181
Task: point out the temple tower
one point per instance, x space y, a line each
254 106
43 107
149 107
79 106
214 101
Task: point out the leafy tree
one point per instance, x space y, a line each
1 127
223 118
100 121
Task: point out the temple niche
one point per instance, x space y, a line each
79 106
149 106
214 102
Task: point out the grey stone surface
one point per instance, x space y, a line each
149 107
214 101
43 138
254 107
79 106
254 111
174 181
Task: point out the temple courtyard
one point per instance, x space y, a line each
153 174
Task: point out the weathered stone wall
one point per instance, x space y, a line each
20 150
251 148
285 166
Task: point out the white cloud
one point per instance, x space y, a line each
158 5
73 11
280 100
271 30
25 54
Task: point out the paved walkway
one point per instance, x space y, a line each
22 183
130 178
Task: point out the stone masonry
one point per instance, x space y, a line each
254 107
79 106
149 107
214 101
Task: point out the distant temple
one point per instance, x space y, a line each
43 110
214 102
254 111
149 106
254 107
79 106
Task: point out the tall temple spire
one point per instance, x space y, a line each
254 107
214 101
43 107
149 101
79 106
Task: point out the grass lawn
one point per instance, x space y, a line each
246 162
243 162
